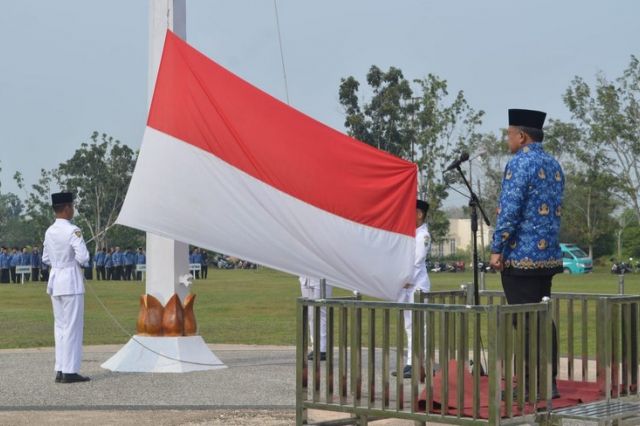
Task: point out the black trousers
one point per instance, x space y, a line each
519 289
35 273
4 275
100 273
118 272
205 270
14 276
128 271
109 273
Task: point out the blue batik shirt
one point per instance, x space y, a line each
528 224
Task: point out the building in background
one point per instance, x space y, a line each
459 238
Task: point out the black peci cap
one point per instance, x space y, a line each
61 198
422 205
527 118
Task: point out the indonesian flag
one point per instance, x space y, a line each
227 167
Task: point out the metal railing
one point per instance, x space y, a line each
580 319
367 340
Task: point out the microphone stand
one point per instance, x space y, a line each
474 204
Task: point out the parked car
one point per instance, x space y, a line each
575 260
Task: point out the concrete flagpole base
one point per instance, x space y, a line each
146 354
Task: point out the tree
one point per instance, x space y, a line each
38 214
587 205
609 115
99 173
429 128
492 162
627 234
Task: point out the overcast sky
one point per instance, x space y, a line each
69 67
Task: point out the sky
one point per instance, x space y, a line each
70 67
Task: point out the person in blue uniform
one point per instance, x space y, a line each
25 260
36 263
116 259
128 260
197 259
141 259
204 264
44 269
14 260
99 260
525 245
4 266
108 264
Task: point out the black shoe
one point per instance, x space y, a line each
323 356
73 378
58 376
555 393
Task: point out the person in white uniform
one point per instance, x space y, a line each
310 288
419 280
65 251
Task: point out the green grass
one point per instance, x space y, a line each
243 306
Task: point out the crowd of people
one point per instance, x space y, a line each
11 258
116 265
108 264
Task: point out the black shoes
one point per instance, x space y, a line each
323 356
555 393
406 372
71 378
58 376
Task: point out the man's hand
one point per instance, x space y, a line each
407 285
496 261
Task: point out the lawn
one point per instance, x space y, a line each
232 306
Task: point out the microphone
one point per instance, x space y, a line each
463 157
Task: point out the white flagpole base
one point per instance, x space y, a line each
145 354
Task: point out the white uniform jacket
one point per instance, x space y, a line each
420 279
65 250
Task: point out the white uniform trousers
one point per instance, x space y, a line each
68 315
313 292
406 296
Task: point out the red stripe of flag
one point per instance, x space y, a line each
199 102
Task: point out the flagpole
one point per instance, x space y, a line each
167 259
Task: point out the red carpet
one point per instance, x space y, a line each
571 393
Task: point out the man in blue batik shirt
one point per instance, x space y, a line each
525 246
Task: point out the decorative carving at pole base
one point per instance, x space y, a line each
150 316
190 325
174 319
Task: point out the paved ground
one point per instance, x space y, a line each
258 388
257 377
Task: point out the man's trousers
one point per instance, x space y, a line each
313 292
68 315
